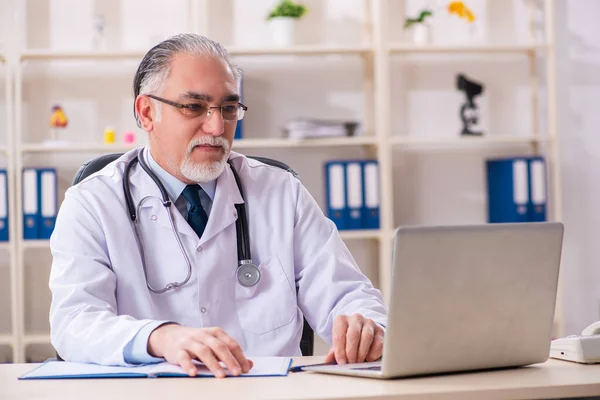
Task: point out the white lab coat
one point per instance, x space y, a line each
99 295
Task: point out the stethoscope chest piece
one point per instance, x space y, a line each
248 274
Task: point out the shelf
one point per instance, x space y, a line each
323 142
300 50
76 148
44 54
360 234
42 338
463 141
35 244
240 143
6 339
79 55
483 48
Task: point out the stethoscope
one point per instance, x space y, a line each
247 273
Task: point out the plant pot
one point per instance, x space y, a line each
282 31
421 34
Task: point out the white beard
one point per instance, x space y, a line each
208 171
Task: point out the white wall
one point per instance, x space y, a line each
431 187
578 63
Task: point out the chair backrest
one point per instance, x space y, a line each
97 163
307 342
94 165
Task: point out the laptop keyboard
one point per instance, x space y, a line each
373 368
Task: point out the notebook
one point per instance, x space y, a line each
52 369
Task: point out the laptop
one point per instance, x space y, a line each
466 298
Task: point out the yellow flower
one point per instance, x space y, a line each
470 16
462 11
456 7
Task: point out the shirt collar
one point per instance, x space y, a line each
173 185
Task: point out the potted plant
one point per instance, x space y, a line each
282 20
422 30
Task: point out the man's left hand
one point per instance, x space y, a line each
356 339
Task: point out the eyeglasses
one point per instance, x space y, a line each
229 112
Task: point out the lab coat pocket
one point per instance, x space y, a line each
268 305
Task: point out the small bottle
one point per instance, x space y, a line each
109 136
129 137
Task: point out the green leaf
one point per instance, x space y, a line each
424 14
288 8
420 19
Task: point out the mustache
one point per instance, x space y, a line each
208 140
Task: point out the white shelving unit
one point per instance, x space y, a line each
6 340
121 55
36 339
467 49
378 140
238 143
465 142
13 338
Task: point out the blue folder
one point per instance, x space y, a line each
353 218
30 204
51 369
508 190
516 189
371 191
48 201
335 192
3 206
538 192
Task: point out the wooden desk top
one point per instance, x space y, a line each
553 379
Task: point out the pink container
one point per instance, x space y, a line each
128 137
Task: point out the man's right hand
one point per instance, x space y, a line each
180 345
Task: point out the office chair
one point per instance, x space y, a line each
96 164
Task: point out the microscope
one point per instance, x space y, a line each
468 111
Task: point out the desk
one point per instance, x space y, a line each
548 380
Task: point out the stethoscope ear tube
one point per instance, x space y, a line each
128 199
239 233
163 191
243 240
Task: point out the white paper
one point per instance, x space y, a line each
262 366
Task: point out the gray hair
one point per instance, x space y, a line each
155 66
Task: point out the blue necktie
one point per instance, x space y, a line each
197 217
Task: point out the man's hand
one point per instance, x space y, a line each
355 339
180 345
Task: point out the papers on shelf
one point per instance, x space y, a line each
301 128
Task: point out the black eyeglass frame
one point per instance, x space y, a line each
192 106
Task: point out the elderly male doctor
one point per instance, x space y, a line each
108 305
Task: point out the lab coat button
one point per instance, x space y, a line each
199 249
203 309
153 218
